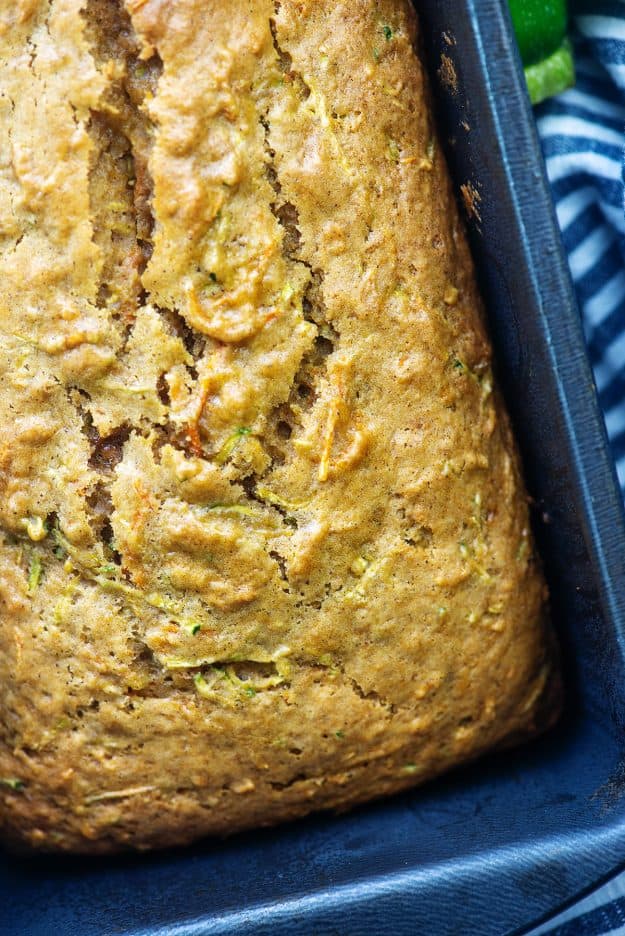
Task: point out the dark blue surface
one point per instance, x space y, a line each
493 847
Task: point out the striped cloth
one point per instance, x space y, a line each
600 914
583 137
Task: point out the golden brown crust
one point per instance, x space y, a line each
265 548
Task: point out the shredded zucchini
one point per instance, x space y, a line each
242 509
13 783
230 444
393 151
118 794
269 497
35 571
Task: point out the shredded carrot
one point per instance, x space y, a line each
207 385
193 432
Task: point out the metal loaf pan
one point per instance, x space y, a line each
491 848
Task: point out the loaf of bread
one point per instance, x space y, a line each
264 544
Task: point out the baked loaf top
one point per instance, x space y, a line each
265 547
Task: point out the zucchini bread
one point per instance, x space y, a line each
264 544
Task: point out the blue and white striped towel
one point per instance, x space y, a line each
583 137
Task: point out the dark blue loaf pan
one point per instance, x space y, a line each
491 848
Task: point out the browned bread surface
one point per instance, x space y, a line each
265 547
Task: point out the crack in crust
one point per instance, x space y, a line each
121 191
